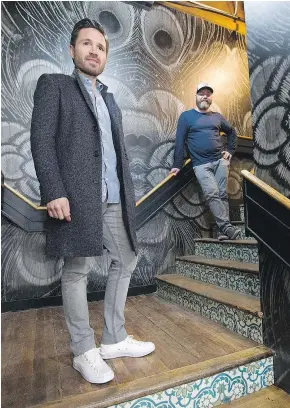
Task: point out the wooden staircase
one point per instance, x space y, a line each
196 361
205 321
220 282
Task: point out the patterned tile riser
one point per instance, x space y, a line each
237 213
239 321
212 391
242 253
241 227
239 281
242 212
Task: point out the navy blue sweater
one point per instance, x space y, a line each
201 132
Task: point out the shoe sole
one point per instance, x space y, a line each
236 234
99 380
108 356
223 238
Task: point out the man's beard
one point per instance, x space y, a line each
203 105
94 72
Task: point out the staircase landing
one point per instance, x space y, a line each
37 370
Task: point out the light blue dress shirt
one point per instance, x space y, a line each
110 181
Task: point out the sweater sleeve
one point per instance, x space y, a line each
44 126
181 133
231 134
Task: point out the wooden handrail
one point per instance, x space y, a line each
169 177
35 206
158 186
267 189
245 137
43 208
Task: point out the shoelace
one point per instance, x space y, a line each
94 359
130 339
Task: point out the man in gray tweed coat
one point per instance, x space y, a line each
79 153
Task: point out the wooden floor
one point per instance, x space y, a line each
271 397
37 363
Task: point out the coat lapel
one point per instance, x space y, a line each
110 103
111 106
84 92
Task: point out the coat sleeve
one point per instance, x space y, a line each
44 127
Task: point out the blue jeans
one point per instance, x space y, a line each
213 178
121 261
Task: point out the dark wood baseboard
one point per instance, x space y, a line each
25 304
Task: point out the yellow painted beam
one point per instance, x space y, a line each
231 7
224 21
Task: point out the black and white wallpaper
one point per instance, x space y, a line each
155 61
268 38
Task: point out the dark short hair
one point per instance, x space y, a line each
88 23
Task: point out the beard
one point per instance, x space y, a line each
203 105
91 69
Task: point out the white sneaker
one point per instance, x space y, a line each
92 367
127 348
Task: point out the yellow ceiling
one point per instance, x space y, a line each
228 14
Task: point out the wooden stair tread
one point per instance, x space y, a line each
270 397
228 241
232 298
221 263
117 394
238 222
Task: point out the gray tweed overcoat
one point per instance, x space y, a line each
67 154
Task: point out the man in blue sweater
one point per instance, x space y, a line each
200 128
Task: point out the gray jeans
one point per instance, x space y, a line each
213 178
122 262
